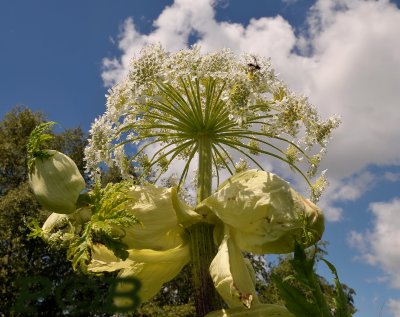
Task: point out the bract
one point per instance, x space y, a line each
267 215
152 268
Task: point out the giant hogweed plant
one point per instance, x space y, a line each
189 108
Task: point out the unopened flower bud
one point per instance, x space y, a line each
56 182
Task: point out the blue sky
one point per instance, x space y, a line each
58 57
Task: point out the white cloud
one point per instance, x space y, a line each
352 69
394 306
357 240
381 245
392 177
357 75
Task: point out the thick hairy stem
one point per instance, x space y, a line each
203 248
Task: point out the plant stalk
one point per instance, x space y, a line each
203 248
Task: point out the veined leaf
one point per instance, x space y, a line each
341 300
294 298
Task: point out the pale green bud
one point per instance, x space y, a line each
51 228
56 182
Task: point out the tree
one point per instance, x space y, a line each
14 132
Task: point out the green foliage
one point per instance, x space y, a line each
36 139
35 229
79 251
302 291
341 299
109 217
15 128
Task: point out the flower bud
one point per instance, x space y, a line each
61 228
56 182
51 228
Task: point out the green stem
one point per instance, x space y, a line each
205 168
203 248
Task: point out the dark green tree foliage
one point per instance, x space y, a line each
15 129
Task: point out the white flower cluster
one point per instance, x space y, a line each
170 100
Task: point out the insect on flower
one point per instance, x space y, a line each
254 65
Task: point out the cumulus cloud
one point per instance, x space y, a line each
392 177
358 60
350 65
394 306
381 245
345 190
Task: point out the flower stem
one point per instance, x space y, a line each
205 168
203 248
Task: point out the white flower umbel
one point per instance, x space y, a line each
235 104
